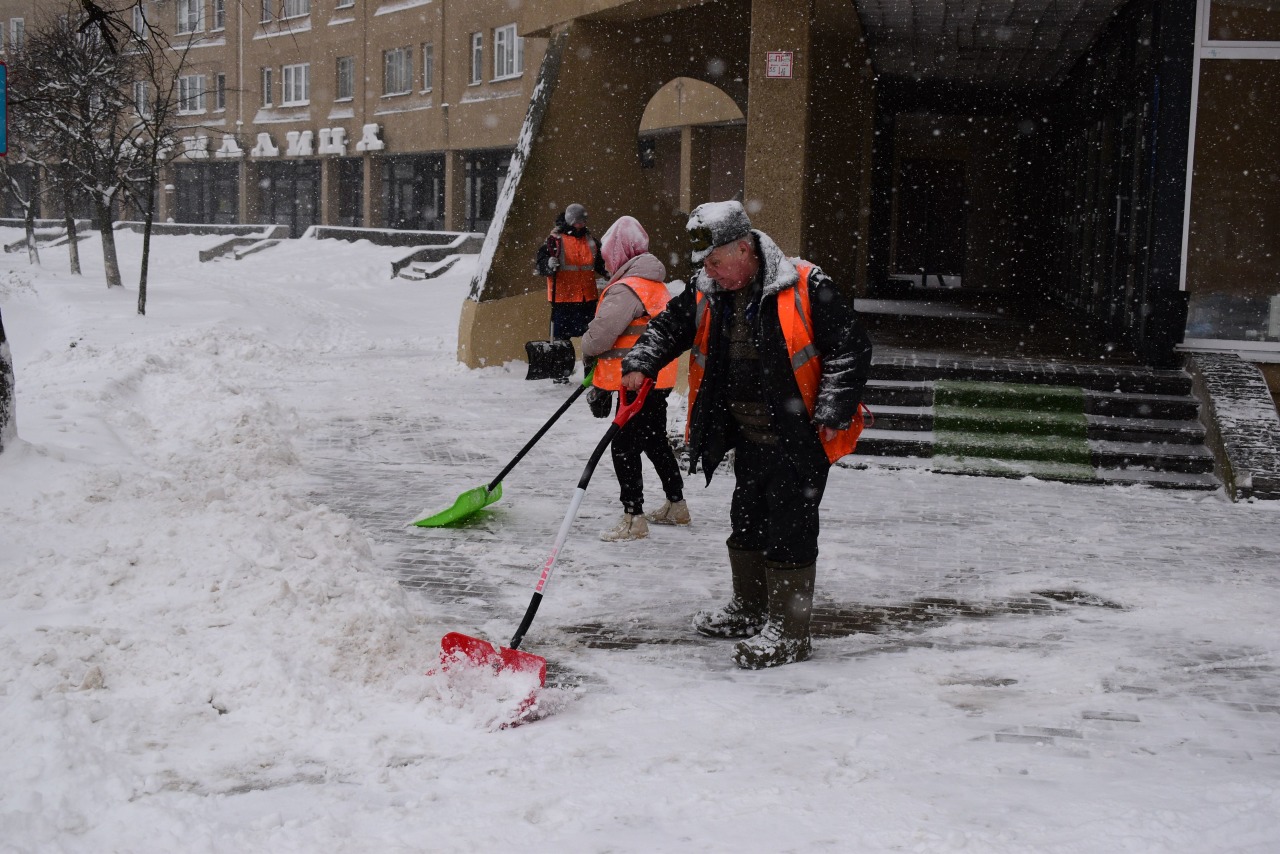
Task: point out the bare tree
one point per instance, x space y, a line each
8 416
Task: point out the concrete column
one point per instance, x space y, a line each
371 200
695 168
250 209
328 191
455 192
807 135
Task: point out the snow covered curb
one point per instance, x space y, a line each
1242 427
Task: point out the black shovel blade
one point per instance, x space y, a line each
549 359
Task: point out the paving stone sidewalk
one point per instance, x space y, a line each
910 562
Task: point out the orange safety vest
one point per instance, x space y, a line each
609 366
575 281
806 361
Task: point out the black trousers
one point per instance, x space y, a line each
772 509
646 433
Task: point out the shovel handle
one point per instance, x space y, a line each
626 410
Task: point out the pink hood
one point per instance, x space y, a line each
624 240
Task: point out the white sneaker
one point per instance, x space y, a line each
670 513
628 528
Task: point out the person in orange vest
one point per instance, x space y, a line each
635 295
778 363
571 261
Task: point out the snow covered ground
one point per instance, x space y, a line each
205 647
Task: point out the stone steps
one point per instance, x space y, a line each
1140 426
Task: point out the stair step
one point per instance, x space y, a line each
1009 421
1024 396
1108 428
1192 459
1095 377
1120 404
890 393
902 417
1011 446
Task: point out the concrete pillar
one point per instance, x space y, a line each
250 209
455 196
372 214
807 134
328 191
695 168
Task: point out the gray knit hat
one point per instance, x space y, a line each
574 214
715 224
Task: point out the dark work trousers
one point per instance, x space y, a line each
571 319
646 433
772 510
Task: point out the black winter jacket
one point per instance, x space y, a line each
540 267
840 338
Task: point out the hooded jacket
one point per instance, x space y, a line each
843 343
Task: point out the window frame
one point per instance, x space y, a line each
508 53
428 66
267 78
344 4
476 74
219 16
350 63
193 21
139 23
220 92
142 99
191 88
268 14
295 80
405 68
302 8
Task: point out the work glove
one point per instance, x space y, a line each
553 264
600 401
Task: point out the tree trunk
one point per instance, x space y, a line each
110 262
29 220
8 415
147 219
68 211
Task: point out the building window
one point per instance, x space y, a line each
508 53
142 100
191 93
297 84
397 74
265 18
220 91
190 16
428 67
267 97
219 14
477 57
346 83
295 8
139 21
344 4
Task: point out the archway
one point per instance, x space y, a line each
692 144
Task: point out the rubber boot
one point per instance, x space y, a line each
747 610
785 637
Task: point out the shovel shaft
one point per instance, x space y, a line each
577 393
624 415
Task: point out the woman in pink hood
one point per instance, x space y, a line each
635 294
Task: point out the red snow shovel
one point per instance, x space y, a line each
457 648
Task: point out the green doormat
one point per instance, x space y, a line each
1011 429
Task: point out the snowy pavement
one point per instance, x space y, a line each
215 620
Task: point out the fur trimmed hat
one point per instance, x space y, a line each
715 224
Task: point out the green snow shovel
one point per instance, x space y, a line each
480 497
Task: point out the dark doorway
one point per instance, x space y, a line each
350 191
485 172
931 220
207 192
290 194
413 192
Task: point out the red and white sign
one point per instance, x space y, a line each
780 64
